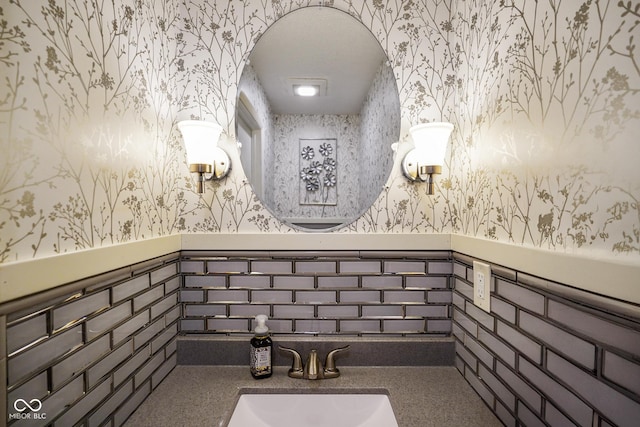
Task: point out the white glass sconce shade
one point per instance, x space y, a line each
426 159
200 140
203 154
430 141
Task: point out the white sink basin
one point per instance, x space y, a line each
311 410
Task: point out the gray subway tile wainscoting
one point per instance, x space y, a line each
546 353
91 351
309 294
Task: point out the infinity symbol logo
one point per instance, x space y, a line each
22 405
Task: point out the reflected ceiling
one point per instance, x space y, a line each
290 49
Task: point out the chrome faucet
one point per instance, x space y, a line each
313 370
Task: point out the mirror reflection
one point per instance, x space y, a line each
317 112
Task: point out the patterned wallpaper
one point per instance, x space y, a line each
380 127
544 97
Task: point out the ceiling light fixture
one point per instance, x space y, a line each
306 86
306 90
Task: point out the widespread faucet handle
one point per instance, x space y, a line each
330 369
296 370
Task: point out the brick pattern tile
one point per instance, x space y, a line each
94 355
541 359
383 293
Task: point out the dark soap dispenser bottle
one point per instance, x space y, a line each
261 347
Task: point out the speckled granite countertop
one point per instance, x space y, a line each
420 396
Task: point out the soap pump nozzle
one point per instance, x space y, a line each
261 324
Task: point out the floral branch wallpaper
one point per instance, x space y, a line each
544 96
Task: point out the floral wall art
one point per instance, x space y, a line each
318 172
544 97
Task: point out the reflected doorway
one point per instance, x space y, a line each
249 135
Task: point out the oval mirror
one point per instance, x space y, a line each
317 112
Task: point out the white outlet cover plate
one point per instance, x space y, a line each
482 285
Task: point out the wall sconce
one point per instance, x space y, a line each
426 159
203 154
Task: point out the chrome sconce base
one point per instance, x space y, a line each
414 171
206 172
